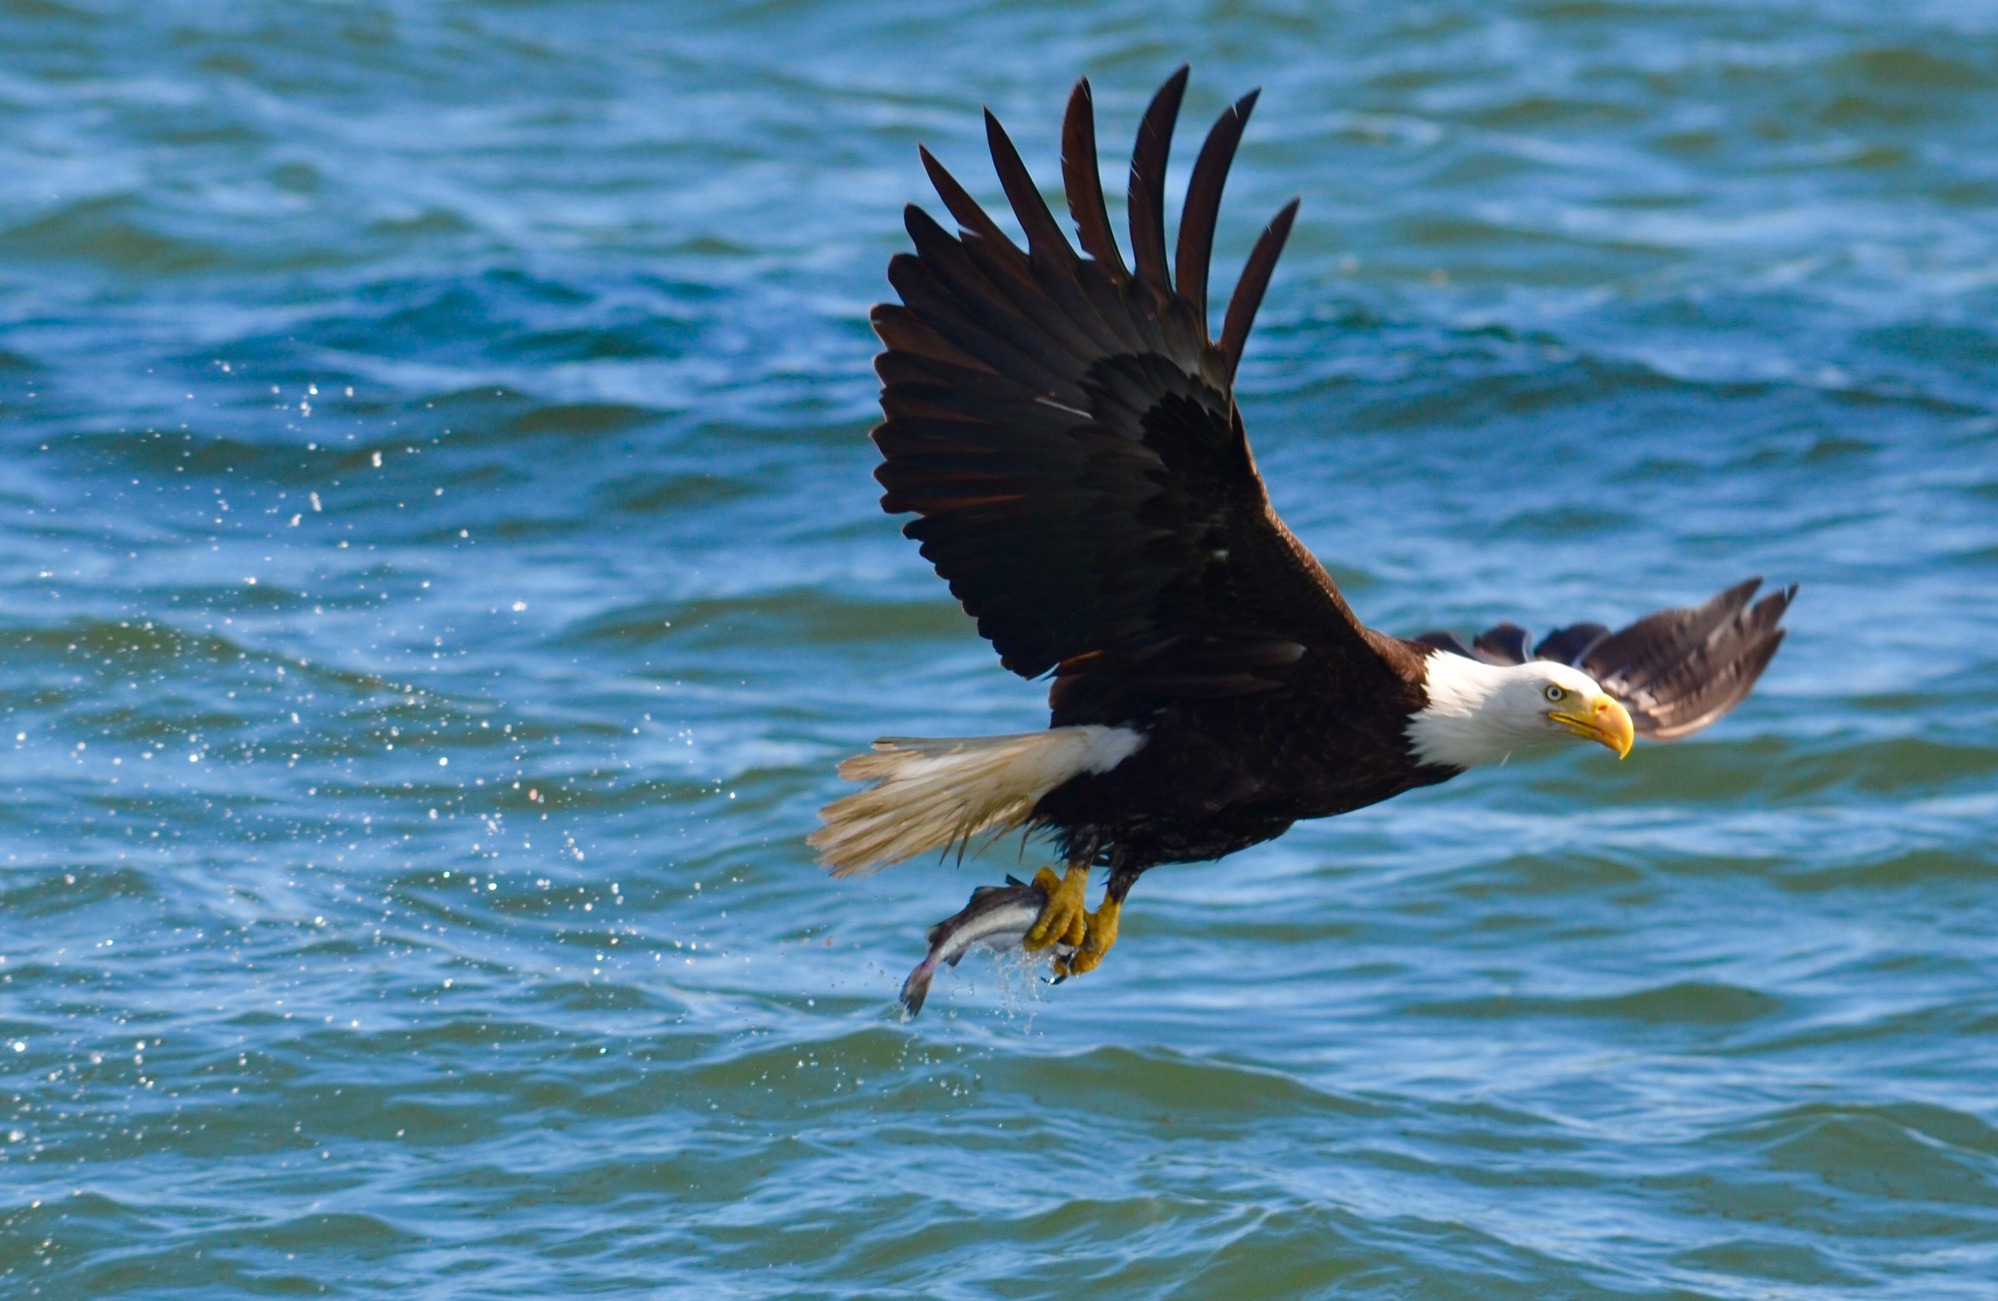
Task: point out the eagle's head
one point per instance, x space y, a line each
1480 713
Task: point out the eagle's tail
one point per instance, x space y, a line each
931 794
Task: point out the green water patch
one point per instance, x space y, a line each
645 494
1898 766
1191 1094
1566 521
1553 876
1770 1258
1919 869
799 616
1690 1003
53 890
579 420
1907 1153
115 232
1916 68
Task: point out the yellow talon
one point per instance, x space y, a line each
1062 920
1101 933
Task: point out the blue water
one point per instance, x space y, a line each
439 568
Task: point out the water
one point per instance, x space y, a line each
439 568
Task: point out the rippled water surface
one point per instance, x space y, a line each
439 568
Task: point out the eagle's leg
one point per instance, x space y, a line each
1062 919
1099 929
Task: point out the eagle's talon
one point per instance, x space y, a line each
1100 934
1062 919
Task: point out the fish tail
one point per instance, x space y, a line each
926 794
917 987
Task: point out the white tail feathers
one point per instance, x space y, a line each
931 794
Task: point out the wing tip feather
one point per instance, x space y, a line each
1247 299
1149 156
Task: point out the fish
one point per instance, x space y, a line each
997 917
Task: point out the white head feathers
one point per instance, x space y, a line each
1480 713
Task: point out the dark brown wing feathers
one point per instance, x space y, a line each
1683 669
1203 202
1044 237
1676 670
1083 180
1065 431
1249 289
1147 193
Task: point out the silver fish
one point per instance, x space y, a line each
998 917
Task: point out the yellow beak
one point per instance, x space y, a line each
1604 721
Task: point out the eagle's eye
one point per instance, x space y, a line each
1554 694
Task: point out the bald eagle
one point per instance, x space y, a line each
1064 428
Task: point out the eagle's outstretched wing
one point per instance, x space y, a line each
1066 430
1676 671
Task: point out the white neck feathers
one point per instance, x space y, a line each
1461 727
